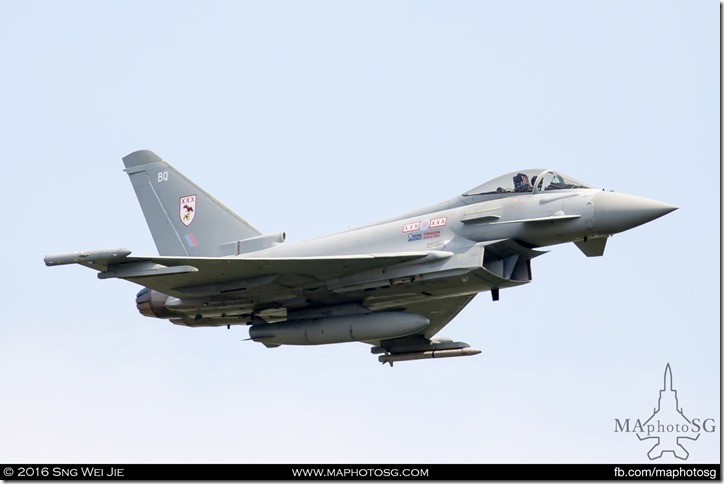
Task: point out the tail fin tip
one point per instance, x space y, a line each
140 157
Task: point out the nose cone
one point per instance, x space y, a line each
616 212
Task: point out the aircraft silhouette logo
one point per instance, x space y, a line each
669 424
667 427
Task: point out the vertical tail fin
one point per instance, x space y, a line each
183 218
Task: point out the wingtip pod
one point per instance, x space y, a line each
84 256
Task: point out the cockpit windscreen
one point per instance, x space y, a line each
534 179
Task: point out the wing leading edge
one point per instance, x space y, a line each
181 276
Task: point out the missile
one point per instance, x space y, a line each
423 355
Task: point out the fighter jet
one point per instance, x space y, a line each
393 284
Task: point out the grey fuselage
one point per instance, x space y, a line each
467 221
474 243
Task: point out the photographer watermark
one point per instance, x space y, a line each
668 428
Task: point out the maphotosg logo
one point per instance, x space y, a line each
668 428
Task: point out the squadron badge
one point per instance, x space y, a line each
187 209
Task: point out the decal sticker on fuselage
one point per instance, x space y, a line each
424 225
422 229
412 227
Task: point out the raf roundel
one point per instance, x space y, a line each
187 209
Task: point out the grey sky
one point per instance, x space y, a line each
311 117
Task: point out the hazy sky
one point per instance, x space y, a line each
312 117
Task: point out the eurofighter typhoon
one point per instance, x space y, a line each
393 284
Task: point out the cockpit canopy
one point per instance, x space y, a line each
530 180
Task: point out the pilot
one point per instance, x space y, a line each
521 183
